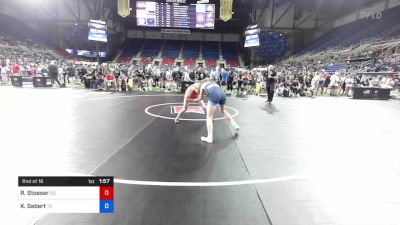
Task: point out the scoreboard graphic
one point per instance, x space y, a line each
66 194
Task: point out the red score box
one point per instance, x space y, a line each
106 193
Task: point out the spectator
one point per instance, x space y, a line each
53 73
334 82
110 82
224 78
3 72
16 69
229 82
271 81
70 74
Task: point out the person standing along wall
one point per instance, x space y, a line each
271 81
53 73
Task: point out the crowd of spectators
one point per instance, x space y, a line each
23 58
309 78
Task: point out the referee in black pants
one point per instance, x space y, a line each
271 81
53 73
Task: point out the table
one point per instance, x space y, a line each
371 93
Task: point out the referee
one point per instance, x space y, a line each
271 81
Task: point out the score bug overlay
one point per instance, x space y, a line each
66 194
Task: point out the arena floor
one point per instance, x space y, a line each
298 161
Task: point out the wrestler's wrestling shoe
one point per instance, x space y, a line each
207 139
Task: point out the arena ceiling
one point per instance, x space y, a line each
326 9
331 9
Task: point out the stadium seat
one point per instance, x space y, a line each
361 29
152 48
146 60
189 62
211 63
171 49
124 59
229 51
233 63
131 49
191 50
210 50
168 61
63 53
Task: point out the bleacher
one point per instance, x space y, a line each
171 49
191 50
189 62
337 67
132 48
168 61
233 63
229 53
152 48
146 60
63 54
124 59
354 32
211 63
395 34
381 26
210 50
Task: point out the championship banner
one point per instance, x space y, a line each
225 12
124 8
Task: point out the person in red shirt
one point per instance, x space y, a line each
191 94
110 81
16 69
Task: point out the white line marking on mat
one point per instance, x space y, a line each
208 184
147 111
133 96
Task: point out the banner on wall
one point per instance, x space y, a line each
124 8
225 12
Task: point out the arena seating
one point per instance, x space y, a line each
171 49
211 63
132 48
395 34
210 50
233 63
189 62
124 59
63 54
333 68
152 48
229 50
379 27
168 61
360 30
146 60
191 50
229 53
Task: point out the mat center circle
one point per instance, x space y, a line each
194 112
